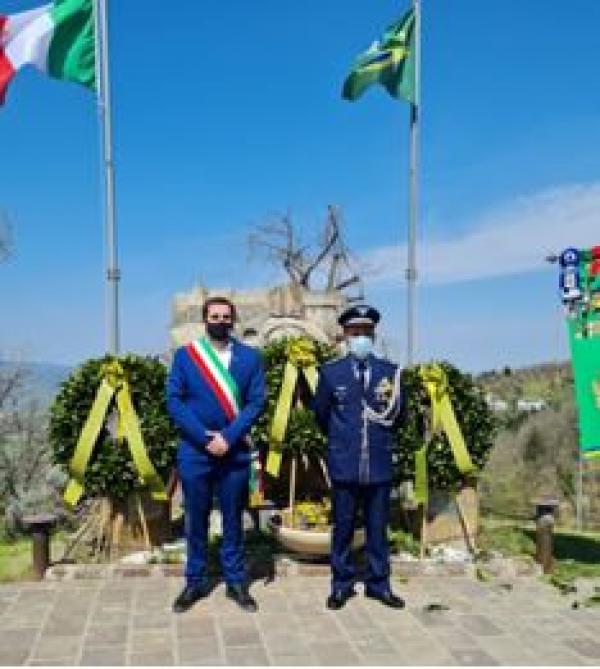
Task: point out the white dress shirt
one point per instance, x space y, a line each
224 354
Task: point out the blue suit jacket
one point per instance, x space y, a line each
195 409
355 455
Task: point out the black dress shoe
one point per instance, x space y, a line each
241 596
189 596
388 598
338 598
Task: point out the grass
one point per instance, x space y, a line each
404 542
15 559
15 556
505 539
576 554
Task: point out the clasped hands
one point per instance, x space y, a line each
217 445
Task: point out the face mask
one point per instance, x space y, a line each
360 346
219 331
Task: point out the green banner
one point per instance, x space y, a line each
580 286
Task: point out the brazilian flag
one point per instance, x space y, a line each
389 62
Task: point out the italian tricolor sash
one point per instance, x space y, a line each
216 375
226 390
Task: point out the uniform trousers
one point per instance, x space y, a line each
346 498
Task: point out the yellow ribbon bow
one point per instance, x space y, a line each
114 380
435 381
301 358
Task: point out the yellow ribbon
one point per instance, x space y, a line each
114 380
443 419
301 358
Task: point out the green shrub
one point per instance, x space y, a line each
111 471
404 542
303 436
474 417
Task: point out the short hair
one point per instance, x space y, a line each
218 300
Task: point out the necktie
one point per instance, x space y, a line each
362 373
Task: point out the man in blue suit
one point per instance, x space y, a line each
357 404
215 392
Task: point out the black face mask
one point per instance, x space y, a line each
219 331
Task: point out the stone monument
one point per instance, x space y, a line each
317 290
264 315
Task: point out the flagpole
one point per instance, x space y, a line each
113 273
413 212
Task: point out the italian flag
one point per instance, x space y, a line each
58 39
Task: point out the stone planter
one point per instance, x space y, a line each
112 528
443 518
132 534
309 543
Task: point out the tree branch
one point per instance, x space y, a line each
332 234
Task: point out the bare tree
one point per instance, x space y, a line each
280 242
12 379
5 237
28 480
277 241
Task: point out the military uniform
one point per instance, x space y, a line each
357 402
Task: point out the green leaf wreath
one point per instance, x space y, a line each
111 471
303 436
475 418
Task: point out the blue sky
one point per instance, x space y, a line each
228 112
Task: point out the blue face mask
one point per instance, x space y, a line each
360 346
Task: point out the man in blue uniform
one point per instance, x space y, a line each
357 403
215 392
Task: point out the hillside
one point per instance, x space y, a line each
42 380
546 381
536 453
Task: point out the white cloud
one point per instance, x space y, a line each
505 240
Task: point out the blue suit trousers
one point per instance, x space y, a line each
375 499
200 482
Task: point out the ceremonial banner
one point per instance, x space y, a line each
58 39
580 289
389 62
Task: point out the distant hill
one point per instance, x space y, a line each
538 381
42 380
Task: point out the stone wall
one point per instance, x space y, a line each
269 313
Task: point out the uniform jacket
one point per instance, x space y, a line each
356 454
195 409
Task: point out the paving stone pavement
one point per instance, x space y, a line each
128 621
